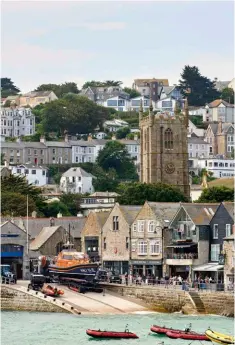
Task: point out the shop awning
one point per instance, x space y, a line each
181 245
209 267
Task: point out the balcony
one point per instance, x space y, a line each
184 259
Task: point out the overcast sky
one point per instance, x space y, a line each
58 41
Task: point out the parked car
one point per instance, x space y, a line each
115 278
36 282
7 276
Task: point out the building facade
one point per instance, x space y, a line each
198 148
221 168
76 180
220 110
34 174
220 137
17 121
35 98
164 150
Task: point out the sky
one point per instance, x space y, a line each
58 41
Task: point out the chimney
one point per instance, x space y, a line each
135 137
52 221
6 164
89 138
219 130
42 139
113 137
59 215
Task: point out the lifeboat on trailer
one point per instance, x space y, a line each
111 334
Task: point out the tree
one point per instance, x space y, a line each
94 83
72 201
2 158
132 92
217 194
199 89
59 89
105 181
55 207
122 132
228 95
137 193
77 115
8 88
16 204
115 156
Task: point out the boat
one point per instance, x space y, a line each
186 335
219 338
163 330
70 263
51 291
111 334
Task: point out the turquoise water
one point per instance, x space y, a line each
24 328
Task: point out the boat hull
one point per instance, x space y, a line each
111 334
77 271
163 330
219 338
186 335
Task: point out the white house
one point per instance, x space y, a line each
198 111
17 121
135 103
219 110
219 167
168 104
194 129
114 125
98 201
118 103
76 180
198 148
34 174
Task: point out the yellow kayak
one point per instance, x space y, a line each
219 337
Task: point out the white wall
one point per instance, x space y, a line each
79 186
38 179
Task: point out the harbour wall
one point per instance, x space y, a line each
15 299
174 300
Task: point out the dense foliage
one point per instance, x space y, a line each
199 89
107 83
132 92
8 88
228 95
217 194
122 132
137 193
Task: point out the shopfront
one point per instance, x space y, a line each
117 267
146 268
183 271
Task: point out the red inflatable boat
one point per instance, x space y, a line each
163 330
186 335
111 334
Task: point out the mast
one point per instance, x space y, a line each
27 226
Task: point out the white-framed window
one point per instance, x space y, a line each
155 247
215 251
228 230
142 247
140 225
151 226
115 223
134 227
215 231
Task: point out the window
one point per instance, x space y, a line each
215 251
127 242
12 153
141 226
53 151
73 179
211 151
151 226
166 104
76 159
215 164
115 223
190 146
112 103
210 164
142 247
105 244
34 172
155 247
215 231
43 173
79 178
168 139
41 161
18 171
89 150
29 152
134 227
228 230
42 152
35 152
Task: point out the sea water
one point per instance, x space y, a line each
30 328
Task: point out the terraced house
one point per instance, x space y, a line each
147 233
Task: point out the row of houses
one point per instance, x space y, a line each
155 239
17 121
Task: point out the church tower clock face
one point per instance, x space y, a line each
169 168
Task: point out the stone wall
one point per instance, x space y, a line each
173 300
12 299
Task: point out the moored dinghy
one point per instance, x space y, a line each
111 334
219 338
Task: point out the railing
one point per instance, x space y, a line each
182 256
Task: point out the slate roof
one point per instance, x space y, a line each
36 224
230 208
164 210
196 140
77 172
168 89
81 143
42 237
225 127
38 93
31 166
104 194
102 217
217 102
130 212
57 144
141 81
200 213
129 142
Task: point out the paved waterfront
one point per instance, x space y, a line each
97 303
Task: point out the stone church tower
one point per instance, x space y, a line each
164 149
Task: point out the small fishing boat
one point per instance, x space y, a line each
163 330
219 338
186 335
111 334
51 291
